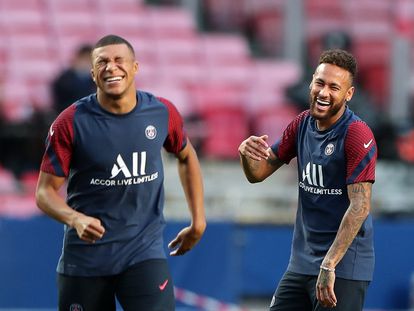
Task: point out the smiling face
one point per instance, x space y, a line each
331 88
113 70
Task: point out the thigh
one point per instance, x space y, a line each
146 286
349 294
85 293
291 294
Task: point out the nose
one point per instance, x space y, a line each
109 66
324 92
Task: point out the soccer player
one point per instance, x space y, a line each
108 146
332 257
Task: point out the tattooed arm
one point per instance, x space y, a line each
360 204
257 158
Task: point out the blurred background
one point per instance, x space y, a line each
233 68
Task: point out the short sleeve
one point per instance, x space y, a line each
177 138
285 148
361 153
59 144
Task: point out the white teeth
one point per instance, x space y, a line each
324 103
114 79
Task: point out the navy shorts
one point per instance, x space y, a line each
144 286
296 292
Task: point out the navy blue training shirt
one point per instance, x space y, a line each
327 162
114 170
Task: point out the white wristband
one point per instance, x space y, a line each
327 269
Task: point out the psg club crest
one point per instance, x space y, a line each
75 307
329 149
151 132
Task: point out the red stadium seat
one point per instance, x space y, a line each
226 128
273 120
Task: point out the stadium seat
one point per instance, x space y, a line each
231 75
11 5
15 105
23 21
224 15
28 181
18 206
204 96
224 49
167 22
277 74
273 120
267 32
119 6
8 182
227 127
68 6
184 74
82 24
178 51
132 25
30 47
174 93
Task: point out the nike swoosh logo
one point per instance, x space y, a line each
163 285
51 130
367 145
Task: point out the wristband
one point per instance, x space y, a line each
327 269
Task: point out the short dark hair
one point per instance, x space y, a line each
340 58
113 39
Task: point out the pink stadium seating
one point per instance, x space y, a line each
119 7
178 51
23 21
224 49
167 22
134 26
8 183
15 105
11 5
18 206
30 47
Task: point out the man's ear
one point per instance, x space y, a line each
350 93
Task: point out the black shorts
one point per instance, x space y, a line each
144 286
296 292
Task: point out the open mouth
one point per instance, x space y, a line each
323 103
111 80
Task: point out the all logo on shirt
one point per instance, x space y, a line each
313 180
127 173
139 162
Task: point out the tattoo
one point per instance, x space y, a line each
325 278
274 162
358 210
